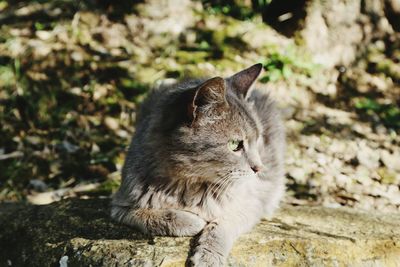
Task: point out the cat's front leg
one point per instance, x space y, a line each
213 245
165 222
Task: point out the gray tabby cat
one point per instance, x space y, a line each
207 158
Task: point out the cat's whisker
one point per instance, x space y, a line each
230 182
218 185
224 180
215 184
223 187
219 190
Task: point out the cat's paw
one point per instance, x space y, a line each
207 253
206 257
187 223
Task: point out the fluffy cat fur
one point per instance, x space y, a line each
181 178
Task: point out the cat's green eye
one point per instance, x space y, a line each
235 145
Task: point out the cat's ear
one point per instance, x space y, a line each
242 81
209 93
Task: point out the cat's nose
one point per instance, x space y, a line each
256 168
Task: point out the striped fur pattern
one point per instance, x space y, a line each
180 177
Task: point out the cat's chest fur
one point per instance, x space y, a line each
244 199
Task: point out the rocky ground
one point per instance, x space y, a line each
77 232
72 74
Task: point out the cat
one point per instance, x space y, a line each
206 159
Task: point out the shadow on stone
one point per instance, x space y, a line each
42 234
81 233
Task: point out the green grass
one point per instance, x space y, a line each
285 65
389 114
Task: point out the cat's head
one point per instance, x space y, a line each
221 136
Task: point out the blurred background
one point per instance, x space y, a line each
72 74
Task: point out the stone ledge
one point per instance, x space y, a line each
297 236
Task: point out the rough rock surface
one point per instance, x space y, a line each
79 233
336 32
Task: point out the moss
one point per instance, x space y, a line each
191 57
387 113
390 68
286 64
387 177
238 9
